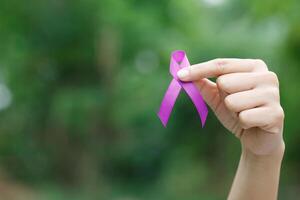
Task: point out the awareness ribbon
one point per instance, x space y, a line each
179 60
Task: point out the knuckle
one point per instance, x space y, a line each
267 78
221 82
279 116
273 93
260 64
220 65
229 103
273 78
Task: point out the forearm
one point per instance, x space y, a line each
257 177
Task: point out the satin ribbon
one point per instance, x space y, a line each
179 60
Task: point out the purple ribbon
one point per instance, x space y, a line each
178 61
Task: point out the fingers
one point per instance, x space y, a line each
265 117
237 82
249 99
244 88
209 92
218 67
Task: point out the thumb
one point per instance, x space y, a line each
209 92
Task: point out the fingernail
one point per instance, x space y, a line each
183 73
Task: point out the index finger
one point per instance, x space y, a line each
218 67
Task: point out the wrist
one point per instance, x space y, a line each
275 156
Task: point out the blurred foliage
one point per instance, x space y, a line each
81 81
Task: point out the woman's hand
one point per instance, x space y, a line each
245 98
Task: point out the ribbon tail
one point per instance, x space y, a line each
197 100
168 102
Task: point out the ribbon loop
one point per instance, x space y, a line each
179 60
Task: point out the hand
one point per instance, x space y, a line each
245 98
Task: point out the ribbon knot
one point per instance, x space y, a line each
178 61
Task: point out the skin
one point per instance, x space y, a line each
245 98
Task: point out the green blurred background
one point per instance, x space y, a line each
81 82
